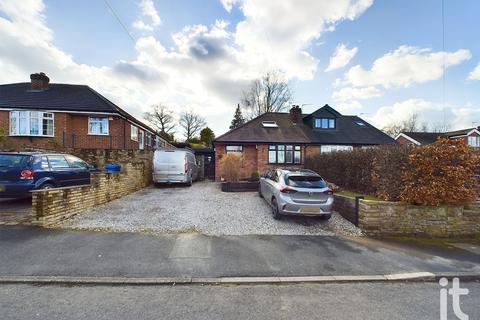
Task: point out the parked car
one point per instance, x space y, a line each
174 166
22 172
297 192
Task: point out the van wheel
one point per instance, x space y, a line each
275 212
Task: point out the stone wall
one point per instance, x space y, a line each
52 206
345 206
381 218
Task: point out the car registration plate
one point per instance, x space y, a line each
310 210
2 188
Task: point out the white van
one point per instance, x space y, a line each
174 166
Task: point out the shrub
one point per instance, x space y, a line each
255 176
440 173
231 164
387 171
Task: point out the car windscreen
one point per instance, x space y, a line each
13 160
305 182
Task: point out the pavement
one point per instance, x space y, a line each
302 301
33 251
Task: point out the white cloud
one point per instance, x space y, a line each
475 74
149 11
400 111
228 4
350 93
341 57
405 66
206 68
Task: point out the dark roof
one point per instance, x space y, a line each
347 131
61 97
424 137
460 132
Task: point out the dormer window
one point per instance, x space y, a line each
325 123
269 124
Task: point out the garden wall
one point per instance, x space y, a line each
54 205
382 218
345 206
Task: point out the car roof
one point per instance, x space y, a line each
32 153
298 171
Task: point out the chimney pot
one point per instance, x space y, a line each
39 81
296 114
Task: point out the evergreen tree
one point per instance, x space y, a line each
238 119
207 136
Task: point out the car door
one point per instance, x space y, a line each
264 182
80 169
269 181
61 171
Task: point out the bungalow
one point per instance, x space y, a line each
278 139
470 136
39 114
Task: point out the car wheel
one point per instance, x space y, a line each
275 212
325 217
260 192
190 182
46 186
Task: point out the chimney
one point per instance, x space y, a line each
296 114
39 81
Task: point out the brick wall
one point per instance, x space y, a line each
71 131
255 159
403 140
52 206
381 218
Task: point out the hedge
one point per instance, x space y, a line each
439 173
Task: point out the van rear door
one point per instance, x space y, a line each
169 163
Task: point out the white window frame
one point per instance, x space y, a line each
141 139
133 133
327 148
233 149
99 120
474 141
148 139
31 117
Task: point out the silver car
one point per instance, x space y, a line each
174 166
298 192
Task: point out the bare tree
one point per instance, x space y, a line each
191 123
412 124
271 93
161 117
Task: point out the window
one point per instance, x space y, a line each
474 141
305 182
141 141
134 133
31 123
44 163
284 154
76 162
333 148
148 139
234 149
325 123
58 162
360 123
269 124
98 126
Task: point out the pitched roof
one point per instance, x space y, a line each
461 132
61 97
424 137
348 131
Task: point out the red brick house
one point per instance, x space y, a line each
471 136
285 139
40 114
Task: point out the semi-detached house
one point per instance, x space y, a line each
40 114
278 139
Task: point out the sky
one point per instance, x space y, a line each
381 60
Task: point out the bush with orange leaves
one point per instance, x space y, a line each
441 173
231 164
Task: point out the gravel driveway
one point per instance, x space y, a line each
202 208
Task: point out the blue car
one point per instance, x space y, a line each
22 172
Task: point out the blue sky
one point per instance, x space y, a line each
200 55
